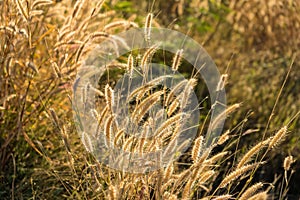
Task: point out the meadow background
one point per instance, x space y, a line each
42 44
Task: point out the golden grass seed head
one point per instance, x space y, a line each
130 63
128 143
173 107
87 142
147 56
94 114
223 138
250 191
109 96
187 190
118 136
112 195
259 196
177 60
253 151
108 129
101 119
223 197
205 176
148 26
288 161
236 174
223 115
278 137
77 8
197 148
122 23
40 3
22 10
216 158
142 108
222 82
168 172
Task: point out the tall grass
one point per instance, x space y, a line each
42 45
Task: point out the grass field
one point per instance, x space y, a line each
255 45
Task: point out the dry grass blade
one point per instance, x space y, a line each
77 8
38 3
54 117
22 10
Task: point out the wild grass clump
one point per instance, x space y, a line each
42 45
